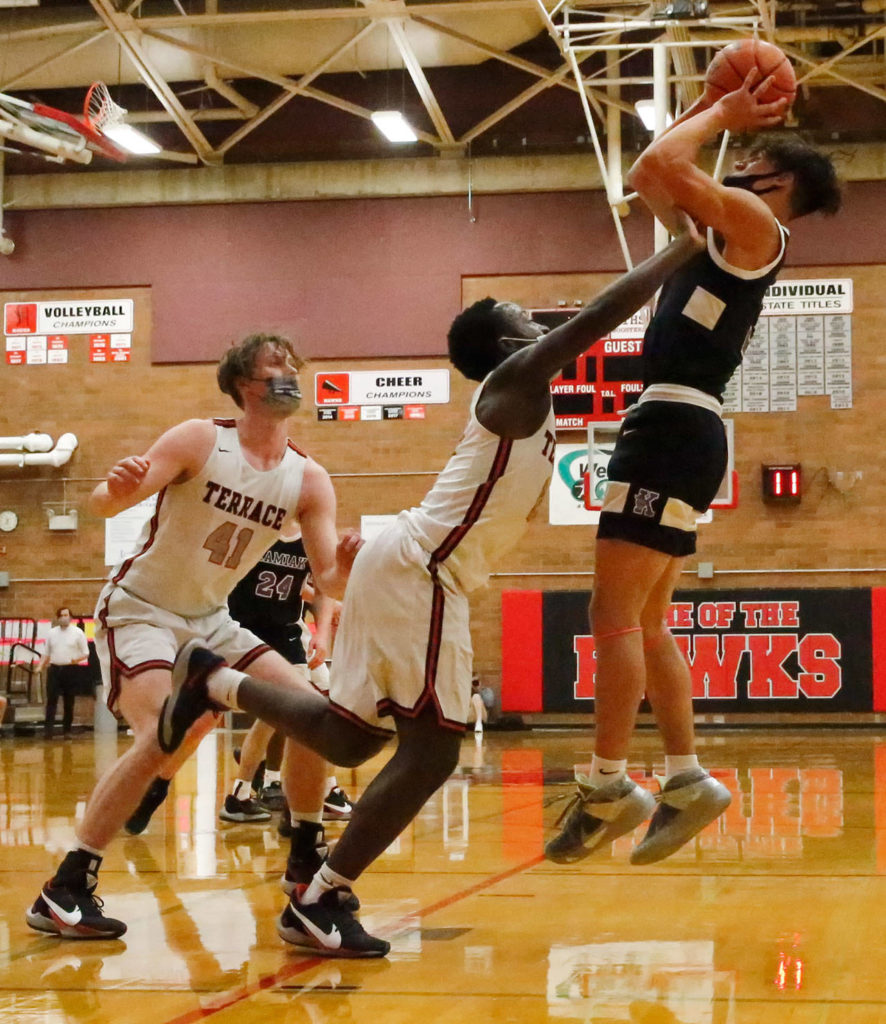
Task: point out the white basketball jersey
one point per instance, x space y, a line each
480 503
208 532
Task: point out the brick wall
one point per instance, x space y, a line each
119 409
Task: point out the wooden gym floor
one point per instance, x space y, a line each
771 915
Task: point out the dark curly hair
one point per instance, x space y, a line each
474 337
816 187
239 361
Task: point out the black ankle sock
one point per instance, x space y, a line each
159 786
306 837
78 870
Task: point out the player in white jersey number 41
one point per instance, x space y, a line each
226 490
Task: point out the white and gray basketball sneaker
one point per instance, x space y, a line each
689 801
597 816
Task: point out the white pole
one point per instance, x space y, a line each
660 97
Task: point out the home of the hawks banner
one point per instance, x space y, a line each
747 650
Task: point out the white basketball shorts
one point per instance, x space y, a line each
404 642
133 635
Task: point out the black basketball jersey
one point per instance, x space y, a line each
268 599
704 319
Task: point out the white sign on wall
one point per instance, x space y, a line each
123 530
566 499
68 316
382 387
833 295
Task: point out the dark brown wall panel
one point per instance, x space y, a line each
352 277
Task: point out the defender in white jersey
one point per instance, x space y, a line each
402 659
226 490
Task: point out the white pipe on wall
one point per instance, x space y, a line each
59 455
30 442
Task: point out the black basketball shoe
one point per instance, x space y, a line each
327 929
72 914
271 797
189 699
307 852
337 806
140 817
243 810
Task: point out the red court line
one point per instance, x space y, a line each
228 999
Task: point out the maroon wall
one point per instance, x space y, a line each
358 277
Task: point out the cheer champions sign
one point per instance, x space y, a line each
747 650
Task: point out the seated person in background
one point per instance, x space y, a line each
477 705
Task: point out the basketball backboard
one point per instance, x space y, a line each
58 135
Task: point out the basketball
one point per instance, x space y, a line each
728 70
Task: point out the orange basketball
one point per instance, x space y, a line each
728 70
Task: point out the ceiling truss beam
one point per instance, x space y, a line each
128 35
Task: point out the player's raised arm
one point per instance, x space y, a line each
667 175
516 397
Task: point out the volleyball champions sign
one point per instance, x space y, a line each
747 650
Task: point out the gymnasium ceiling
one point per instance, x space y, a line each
232 83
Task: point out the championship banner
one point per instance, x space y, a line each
68 316
381 388
747 650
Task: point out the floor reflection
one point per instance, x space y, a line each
767 914
637 981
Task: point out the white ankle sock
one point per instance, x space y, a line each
242 789
271 777
88 849
323 881
315 817
675 763
604 770
223 685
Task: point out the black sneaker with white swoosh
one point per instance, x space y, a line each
189 699
337 806
325 928
72 914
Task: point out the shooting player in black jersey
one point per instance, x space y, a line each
670 457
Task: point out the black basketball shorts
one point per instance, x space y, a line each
667 466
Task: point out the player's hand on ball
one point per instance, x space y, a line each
744 109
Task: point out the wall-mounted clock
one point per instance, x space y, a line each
8 520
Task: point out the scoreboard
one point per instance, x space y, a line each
605 380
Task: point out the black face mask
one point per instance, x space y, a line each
747 182
284 391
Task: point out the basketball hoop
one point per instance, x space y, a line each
99 110
63 135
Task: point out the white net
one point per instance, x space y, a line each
99 110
